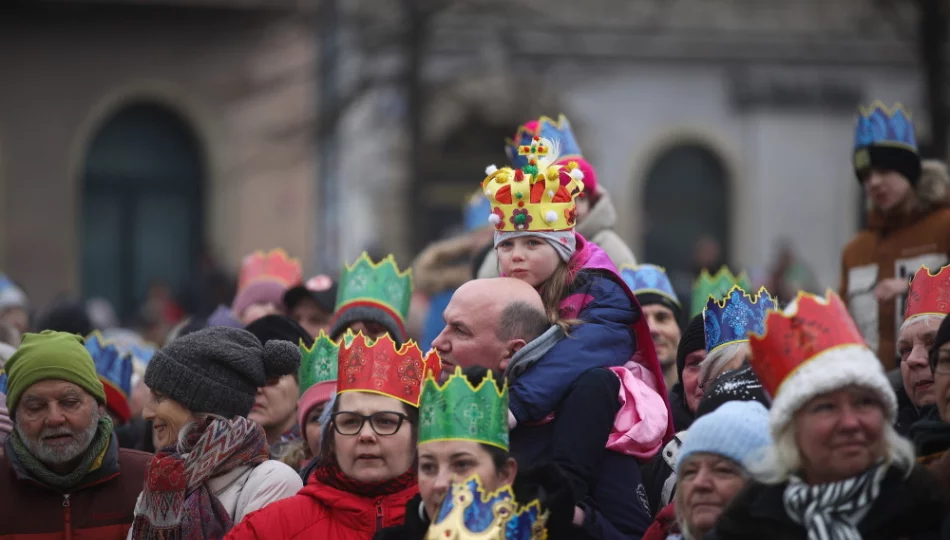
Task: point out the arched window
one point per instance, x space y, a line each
686 201
141 206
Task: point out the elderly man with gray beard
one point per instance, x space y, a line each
62 474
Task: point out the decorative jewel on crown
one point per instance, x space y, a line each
559 132
880 125
382 368
928 294
274 266
469 513
318 363
717 286
812 326
731 319
534 198
380 285
458 411
648 279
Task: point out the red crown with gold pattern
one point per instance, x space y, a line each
813 326
381 368
928 294
274 266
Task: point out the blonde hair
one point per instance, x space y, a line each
713 365
555 290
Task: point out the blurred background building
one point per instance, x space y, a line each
138 138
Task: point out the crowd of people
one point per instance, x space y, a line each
554 388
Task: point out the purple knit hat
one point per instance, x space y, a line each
260 292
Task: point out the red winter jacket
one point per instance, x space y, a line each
320 511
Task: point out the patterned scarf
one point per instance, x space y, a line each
833 511
331 475
91 459
176 502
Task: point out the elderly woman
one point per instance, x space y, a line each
366 470
214 466
838 468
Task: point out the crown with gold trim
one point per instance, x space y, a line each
381 286
884 137
382 368
458 411
716 286
649 279
731 319
545 128
929 294
534 197
318 363
275 266
115 371
468 513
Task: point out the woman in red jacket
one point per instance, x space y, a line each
367 471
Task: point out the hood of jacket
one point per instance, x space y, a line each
602 215
933 192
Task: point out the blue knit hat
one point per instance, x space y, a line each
738 430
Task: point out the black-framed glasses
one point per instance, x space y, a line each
383 423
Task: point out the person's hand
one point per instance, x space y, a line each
888 289
578 516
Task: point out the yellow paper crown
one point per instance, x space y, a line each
537 197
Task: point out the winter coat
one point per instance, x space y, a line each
911 507
100 508
663 525
321 511
931 437
894 246
597 226
413 528
659 475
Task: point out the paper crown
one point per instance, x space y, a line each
381 368
648 279
731 319
318 363
115 371
274 266
545 128
716 286
468 513
457 411
880 125
476 211
929 294
379 285
813 326
533 198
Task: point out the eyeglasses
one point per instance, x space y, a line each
383 423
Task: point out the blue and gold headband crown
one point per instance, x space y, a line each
468 513
546 128
731 319
649 279
880 125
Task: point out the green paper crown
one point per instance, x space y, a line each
457 411
381 284
717 286
319 363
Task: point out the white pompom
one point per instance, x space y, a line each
494 219
550 216
577 174
488 193
551 194
490 170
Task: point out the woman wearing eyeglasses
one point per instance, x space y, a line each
366 470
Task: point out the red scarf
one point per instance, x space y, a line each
331 475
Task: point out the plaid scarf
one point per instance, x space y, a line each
833 511
176 503
331 475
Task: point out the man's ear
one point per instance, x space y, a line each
512 347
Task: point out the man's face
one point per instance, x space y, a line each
886 189
310 317
913 344
470 334
57 421
275 404
665 333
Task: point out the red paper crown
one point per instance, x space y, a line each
381 368
817 325
928 294
274 266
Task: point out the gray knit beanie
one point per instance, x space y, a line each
218 370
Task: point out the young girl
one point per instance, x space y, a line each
533 211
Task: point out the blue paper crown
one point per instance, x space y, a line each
731 320
3 382
469 512
559 132
112 365
648 279
476 211
880 125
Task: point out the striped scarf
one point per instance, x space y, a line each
176 502
833 511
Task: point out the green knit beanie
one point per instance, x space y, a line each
51 355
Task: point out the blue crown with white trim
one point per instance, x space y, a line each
111 364
880 125
649 279
557 132
468 512
731 319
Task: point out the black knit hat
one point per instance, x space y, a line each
694 339
736 385
349 315
279 327
648 298
943 336
892 158
218 370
